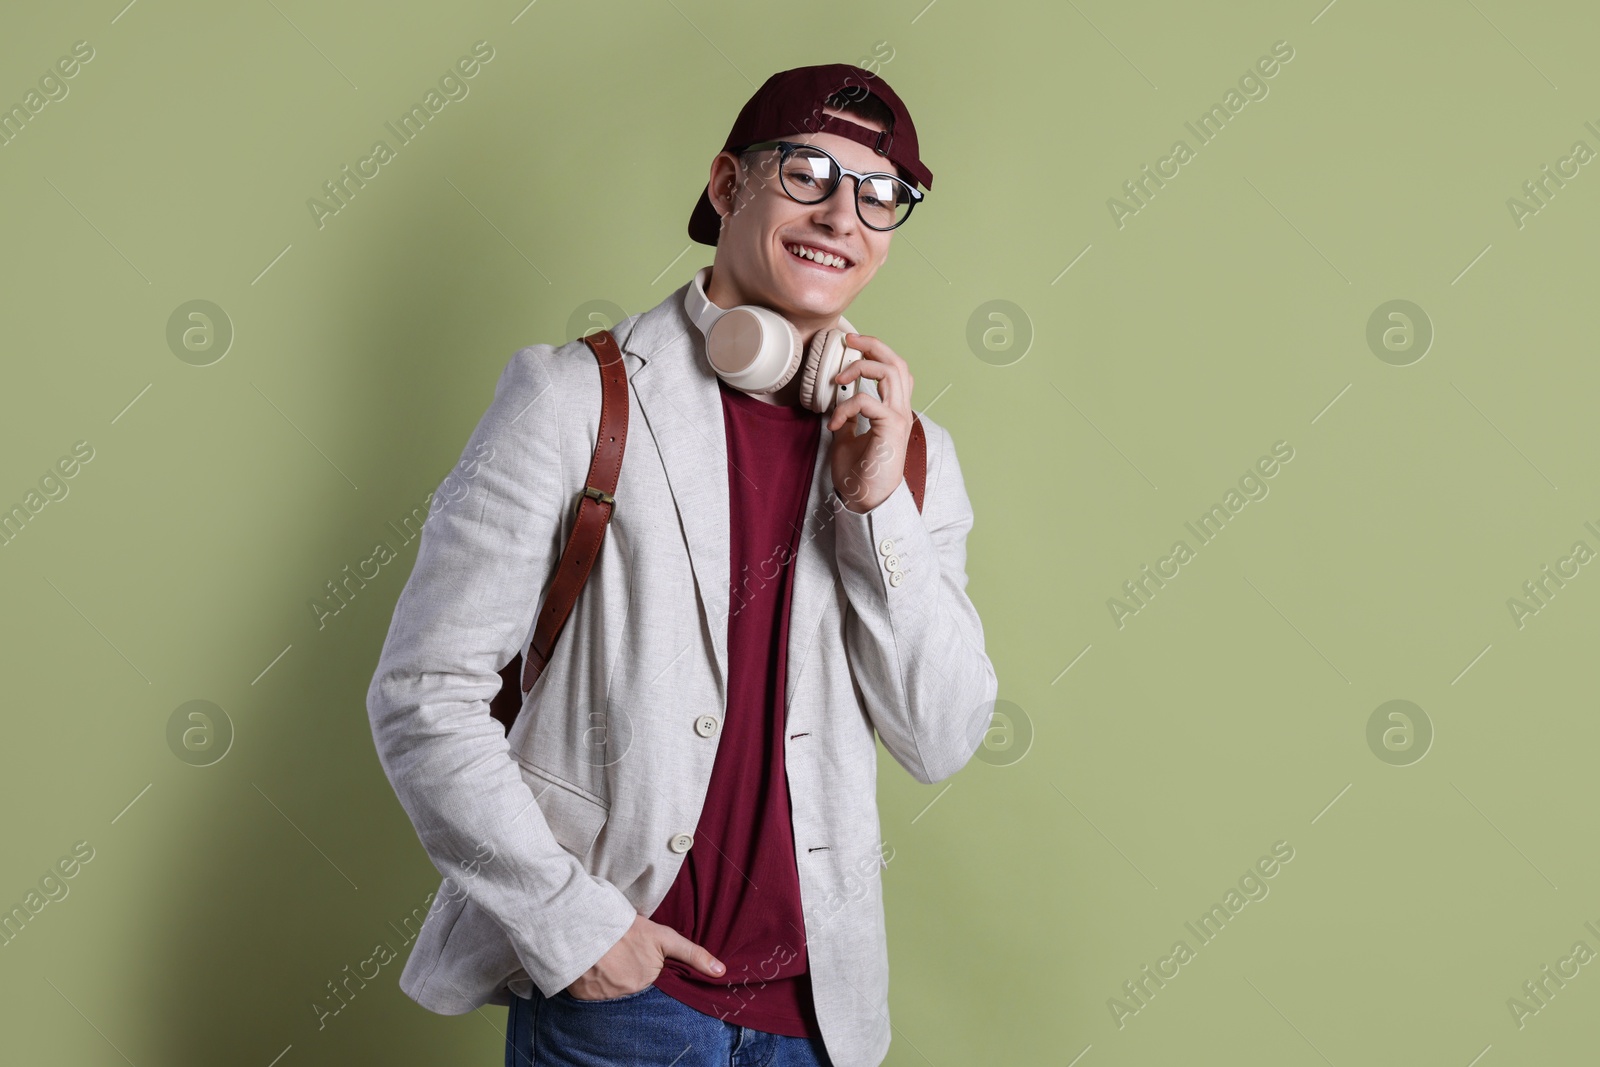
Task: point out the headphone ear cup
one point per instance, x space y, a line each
808 371
824 359
779 330
754 349
796 355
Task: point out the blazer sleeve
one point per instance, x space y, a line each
483 559
917 646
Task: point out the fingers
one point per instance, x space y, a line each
678 947
871 346
880 362
889 390
861 404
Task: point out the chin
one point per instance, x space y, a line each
817 306
821 296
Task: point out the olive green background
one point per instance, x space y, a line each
1139 771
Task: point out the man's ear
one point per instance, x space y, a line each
723 183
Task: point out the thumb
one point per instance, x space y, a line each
678 947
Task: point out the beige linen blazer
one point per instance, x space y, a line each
553 838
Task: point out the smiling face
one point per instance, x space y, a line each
755 260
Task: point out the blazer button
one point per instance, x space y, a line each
896 577
886 546
705 725
681 842
891 562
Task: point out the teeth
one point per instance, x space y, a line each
825 258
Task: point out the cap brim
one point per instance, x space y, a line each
704 223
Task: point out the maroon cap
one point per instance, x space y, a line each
790 103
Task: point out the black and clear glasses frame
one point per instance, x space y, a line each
788 148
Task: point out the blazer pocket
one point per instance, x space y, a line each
575 816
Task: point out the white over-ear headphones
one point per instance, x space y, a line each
757 350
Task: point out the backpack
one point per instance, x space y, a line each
595 505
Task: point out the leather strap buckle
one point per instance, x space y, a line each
598 495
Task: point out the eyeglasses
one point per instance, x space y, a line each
809 175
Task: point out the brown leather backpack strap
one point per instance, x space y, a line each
917 460
595 505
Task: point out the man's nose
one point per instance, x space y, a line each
838 212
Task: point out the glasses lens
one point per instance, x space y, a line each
884 201
809 175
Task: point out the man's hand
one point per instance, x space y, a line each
868 467
635 961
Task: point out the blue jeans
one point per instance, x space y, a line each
643 1029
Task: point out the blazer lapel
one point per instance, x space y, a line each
676 390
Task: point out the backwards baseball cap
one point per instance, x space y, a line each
790 103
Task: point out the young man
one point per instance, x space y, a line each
678 860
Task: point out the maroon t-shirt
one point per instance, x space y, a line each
738 892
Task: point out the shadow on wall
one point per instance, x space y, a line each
265 918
